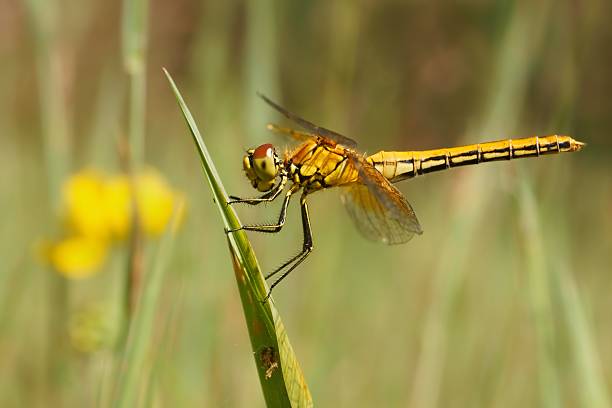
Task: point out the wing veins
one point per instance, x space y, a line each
318 130
378 209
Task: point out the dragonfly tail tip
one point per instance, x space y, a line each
577 146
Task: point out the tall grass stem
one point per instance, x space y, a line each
134 42
509 81
52 81
135 374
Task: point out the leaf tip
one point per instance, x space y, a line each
168 76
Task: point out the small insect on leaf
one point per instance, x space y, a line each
269 360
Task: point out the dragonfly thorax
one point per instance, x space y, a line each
262 165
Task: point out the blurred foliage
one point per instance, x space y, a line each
458 310
92 328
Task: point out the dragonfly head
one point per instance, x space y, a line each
261 166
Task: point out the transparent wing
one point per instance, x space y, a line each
294 134
378 209
317 130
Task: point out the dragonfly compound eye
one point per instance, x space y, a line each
264 164
248 168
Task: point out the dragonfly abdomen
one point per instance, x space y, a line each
397 166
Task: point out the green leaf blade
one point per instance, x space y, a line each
279 371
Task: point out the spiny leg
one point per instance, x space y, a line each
306 248
281 219
266 198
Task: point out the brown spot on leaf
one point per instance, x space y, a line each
239 272
256 327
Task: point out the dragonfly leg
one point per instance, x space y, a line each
307 247
266 198
281 218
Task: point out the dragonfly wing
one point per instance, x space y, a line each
378 209
317 130
292 133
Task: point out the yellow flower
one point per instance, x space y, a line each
99 209
117 206
77 257
83 195
156 202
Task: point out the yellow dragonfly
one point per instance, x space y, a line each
326 159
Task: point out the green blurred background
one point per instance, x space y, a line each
505 299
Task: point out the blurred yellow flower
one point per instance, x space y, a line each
155 202
85 211
117 206
77 257
99 209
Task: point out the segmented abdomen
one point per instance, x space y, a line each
397 166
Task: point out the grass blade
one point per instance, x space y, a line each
510 76
587 360
280 374
54 109
540 297
136 369
134 38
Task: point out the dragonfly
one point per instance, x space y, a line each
326 159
